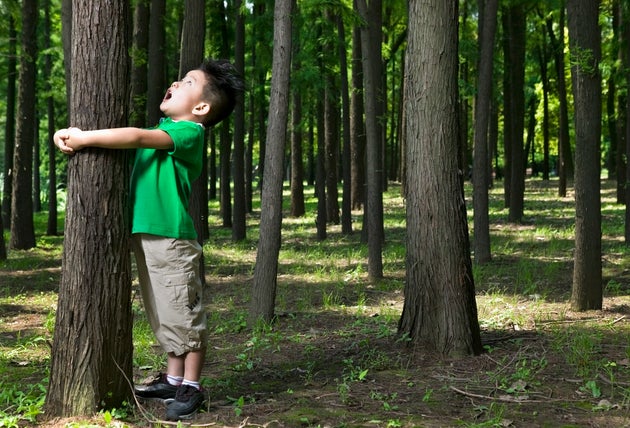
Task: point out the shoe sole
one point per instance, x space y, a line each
164 401
182 417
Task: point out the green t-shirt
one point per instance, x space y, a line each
161 182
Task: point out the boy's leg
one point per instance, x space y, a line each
188 366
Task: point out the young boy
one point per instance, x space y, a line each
168 159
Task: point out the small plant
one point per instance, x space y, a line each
592 389
238 404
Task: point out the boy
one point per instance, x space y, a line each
168 159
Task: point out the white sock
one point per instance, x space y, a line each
174 380
191 383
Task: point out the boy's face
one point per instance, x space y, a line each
183 100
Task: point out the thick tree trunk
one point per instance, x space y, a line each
190 57
439 311
585 49
92 348
266 269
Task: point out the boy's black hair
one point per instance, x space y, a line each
224 86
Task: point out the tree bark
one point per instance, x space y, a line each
139 69
585 50
190 57
266 269
373 212
357 124
515 71
22 226
481 180
92 348
439 310
239 230
156 67
565 158
346 201
51 225
9 126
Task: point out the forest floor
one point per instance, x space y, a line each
333 357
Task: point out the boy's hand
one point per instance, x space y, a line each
64 140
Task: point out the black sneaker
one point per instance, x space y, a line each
159 389
188 401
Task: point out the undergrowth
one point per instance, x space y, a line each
333 356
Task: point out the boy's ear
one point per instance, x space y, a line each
201 109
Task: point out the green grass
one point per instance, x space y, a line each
335 337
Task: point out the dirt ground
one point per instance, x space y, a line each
345 368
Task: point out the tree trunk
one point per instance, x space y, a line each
139 55
266 269
515 70
487 28
357 124
9 126
624 56
157 76
190 57
373 212
239 230
297 165
22 227
331 126
346 201
439 310
585 49
51 226
92 348
565 159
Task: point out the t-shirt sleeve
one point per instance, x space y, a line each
187 138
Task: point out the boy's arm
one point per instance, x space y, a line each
73 139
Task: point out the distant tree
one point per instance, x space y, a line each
297 134
439 311
139 64
22 226
3 247
565 158
239 229
346 202
585 51
357 123
481 177
514 27
156 65
51 228
373 210
9 126
91 355
266 269
624 53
